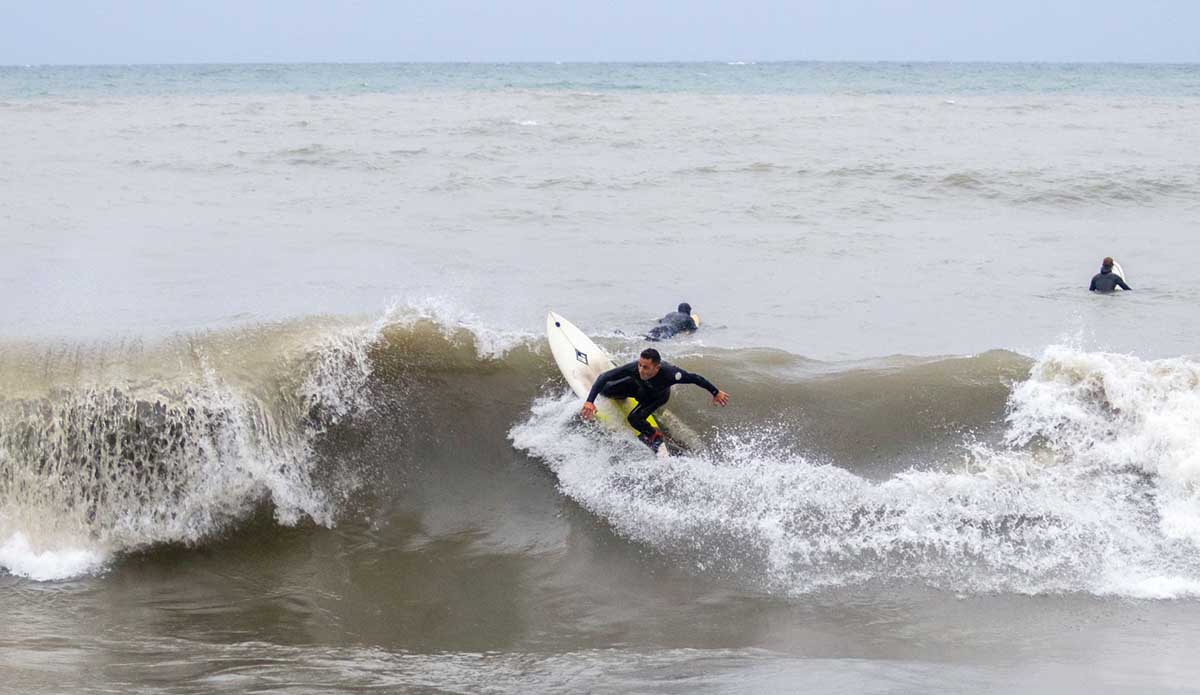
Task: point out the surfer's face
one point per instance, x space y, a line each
646 368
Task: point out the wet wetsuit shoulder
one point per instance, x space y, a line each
1107 282
672 323
677 375
679 321
625 371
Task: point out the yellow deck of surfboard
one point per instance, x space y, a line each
581 361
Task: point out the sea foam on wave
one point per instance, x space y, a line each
23 560
1117 412
89 470
1094 492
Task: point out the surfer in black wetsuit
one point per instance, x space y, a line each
675 322
1106 280
649 380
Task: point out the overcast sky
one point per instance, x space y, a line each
225 31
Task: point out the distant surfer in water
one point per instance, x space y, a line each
649 380
1106 280
677 321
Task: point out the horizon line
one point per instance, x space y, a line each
728 62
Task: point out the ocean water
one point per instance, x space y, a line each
277 413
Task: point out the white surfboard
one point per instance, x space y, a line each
580 360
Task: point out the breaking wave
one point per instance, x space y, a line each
1091 488
1072 472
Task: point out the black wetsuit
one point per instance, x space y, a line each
672 323
651 394
1107 281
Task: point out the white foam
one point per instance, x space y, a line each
228 452
1119 412
1153 587
231 476
1094 492
342 366
20 558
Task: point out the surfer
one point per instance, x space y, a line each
649 380
1106 280
675 322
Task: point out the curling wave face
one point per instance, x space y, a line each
1072 472
112 449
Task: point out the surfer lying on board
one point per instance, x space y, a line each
649 380
1106 280
678 321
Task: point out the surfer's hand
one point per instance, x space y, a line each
587 411
721 399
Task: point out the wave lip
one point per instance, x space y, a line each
114 460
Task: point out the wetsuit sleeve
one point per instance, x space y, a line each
1122 285
610 375
686 377
1092 287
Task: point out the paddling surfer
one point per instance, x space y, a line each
678 321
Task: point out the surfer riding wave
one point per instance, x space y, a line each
649 380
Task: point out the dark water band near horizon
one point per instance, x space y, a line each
276 410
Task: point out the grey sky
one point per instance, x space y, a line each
189 31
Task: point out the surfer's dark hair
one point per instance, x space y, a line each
652 355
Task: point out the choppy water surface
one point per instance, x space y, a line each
276 411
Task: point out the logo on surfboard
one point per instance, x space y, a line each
581 357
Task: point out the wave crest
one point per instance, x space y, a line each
113 464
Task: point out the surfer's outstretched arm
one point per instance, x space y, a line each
686 377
